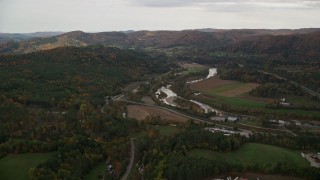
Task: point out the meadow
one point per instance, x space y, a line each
235 95
251 154
17 166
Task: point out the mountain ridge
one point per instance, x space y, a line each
304 41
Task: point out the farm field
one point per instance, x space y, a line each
17 166
248 154
233 90
192 68
247 104
211 83
142 112
228 91
236 94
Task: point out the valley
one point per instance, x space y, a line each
198 105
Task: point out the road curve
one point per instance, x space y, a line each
198 119
129 167
313 93
167 109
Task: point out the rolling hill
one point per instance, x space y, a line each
302 42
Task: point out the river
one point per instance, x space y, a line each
212 73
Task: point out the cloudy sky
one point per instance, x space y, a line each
114 15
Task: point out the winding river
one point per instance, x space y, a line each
212 73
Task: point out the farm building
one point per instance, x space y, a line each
232 119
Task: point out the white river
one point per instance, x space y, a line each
170 95
212 73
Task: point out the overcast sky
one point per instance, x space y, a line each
115 15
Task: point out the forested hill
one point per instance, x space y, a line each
304 42
62 76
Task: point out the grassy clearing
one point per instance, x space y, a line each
247 104
167 130
251 153
194 70
99 169
142 112
17 166
301 100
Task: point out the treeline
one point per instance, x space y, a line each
169 158
232 71
17 146
301 142
205 139
271 90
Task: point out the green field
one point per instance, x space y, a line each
251 153
240 100
226 88
17 167
93 174
167 130
243 103
301 100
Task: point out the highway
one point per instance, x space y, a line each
311 92
197 118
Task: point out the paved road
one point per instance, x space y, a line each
181 114
129 167
107 101
269 129
164 108
313 93
201 120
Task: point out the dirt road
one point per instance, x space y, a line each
129 167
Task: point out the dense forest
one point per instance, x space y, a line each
50 102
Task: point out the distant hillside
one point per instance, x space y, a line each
265 31
4 37
299 42
288 45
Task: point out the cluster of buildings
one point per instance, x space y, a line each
283 102
224 118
